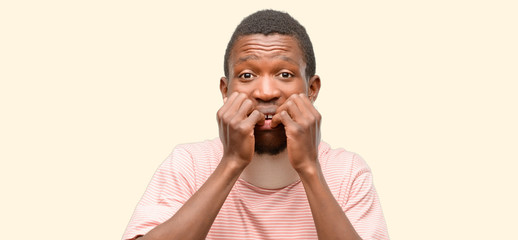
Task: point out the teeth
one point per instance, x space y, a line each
268 116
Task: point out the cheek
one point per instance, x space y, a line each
294 87
240 88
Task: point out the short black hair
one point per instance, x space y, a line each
271 22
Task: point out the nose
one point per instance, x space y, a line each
266 89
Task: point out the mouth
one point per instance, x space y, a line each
268 116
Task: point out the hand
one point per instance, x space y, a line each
236 121
302 124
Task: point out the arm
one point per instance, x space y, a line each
330 220
302 123
194 219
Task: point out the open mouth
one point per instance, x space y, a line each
267 121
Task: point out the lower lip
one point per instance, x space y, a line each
265 126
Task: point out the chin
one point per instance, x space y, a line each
270 142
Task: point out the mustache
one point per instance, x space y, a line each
260 104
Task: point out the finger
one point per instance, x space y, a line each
309 105
255 118
231 97
281 108
235 105
305 107
227 103
292 108
313 113
308 114
246 108
261 120
276 121
286 119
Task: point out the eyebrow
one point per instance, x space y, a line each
246 58
288 59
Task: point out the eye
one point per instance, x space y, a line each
286 75
246 76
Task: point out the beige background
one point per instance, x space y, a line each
95 94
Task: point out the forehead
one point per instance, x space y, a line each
273 44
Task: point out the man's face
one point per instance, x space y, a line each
269 69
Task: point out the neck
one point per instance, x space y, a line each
270 171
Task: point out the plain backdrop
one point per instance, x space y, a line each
95 94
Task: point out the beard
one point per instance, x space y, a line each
271 142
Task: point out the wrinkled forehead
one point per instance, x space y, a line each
266 45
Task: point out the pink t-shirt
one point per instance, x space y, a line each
251 212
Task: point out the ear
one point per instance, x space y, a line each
314 88
223 87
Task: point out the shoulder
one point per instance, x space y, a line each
207 152
196 150
340 160
198 159
205 149
341 168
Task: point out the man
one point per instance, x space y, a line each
268 176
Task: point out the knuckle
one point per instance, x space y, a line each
298 129
255 114
247 102
305 124
233 122
219 114
227 118
242 128
242 95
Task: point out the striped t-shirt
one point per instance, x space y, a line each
251 212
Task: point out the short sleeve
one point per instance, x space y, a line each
362 205
171 186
